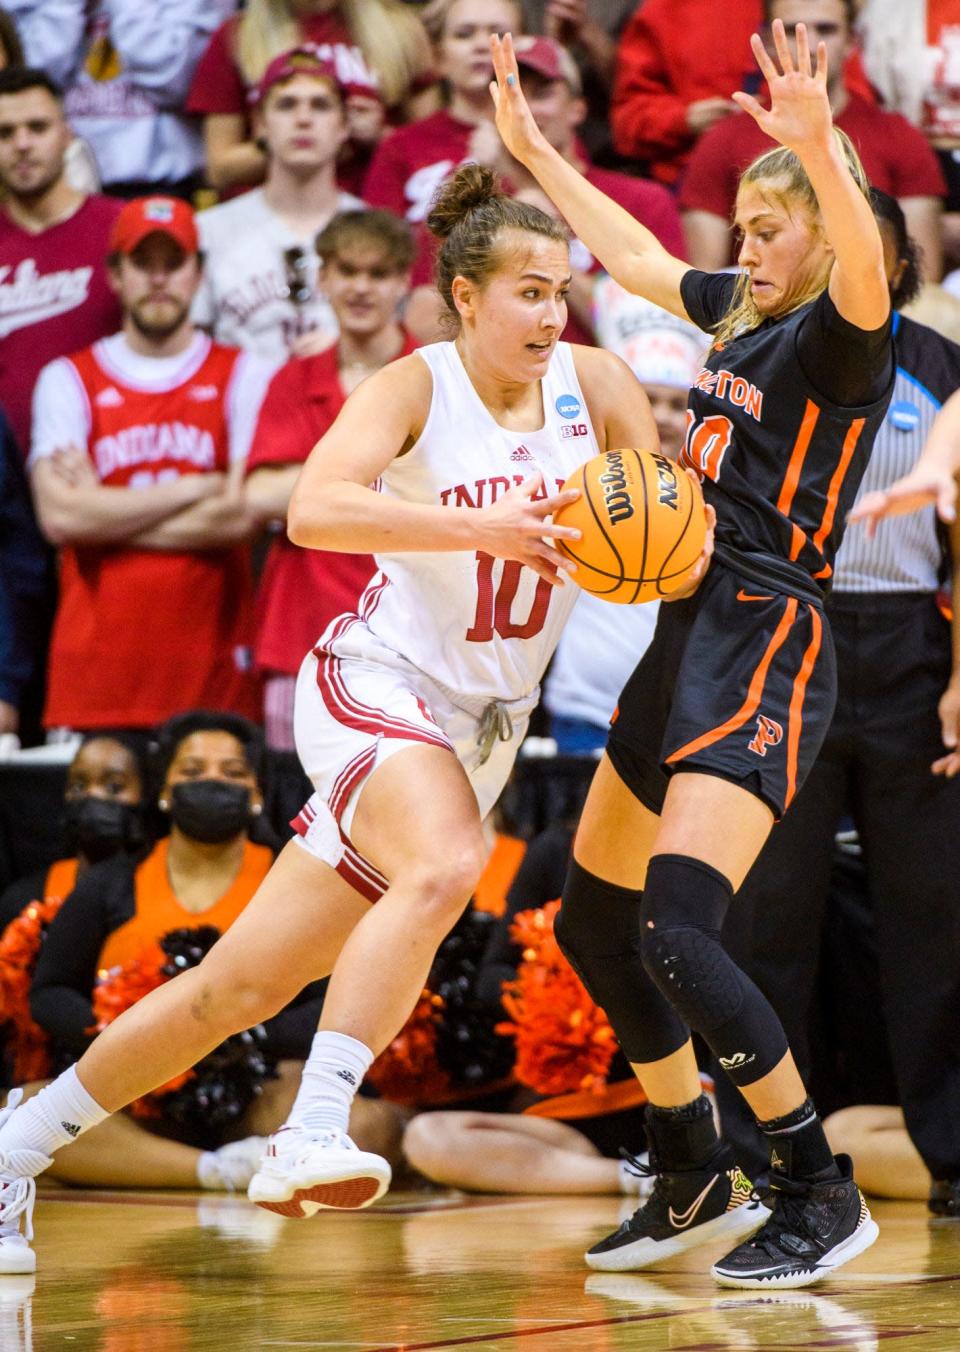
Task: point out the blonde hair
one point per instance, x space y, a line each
392 39
434 17
785 181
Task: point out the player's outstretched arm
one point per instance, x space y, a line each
799 117
334 507
629 252
933 478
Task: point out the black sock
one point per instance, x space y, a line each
684 1137
798 1145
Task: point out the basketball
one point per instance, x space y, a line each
642 525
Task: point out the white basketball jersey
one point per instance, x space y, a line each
480 626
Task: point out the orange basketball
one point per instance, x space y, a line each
643 526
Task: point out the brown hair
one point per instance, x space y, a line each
469 215
785 182
381 229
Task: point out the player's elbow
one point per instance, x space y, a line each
308 522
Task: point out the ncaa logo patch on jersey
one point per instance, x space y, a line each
568 406
904 415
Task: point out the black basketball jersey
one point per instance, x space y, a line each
778 461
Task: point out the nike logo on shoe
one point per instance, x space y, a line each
681 1220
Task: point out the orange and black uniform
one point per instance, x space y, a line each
740 680
118 911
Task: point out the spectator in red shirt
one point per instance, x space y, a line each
895 154
552 86
373 44
54 294
410 164
910 54
366 259
137 464
679 62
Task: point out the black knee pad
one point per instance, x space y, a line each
685 902
598 930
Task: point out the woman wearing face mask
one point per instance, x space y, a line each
203 873
102 816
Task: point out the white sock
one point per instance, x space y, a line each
331 1077
53 1118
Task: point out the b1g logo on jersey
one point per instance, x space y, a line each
769 733
568 406
568 430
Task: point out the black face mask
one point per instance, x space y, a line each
210 810
100 827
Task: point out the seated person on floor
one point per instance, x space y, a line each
132 922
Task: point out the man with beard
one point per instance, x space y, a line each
53 287
137 464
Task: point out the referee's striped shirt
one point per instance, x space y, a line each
906 553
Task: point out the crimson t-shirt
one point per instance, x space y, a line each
409 165
301 590
54 298
897 158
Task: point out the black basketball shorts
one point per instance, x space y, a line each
740 681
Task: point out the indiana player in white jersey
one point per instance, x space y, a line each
447 654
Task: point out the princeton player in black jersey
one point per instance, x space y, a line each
723 717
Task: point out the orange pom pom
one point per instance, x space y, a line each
407 1070
564 1041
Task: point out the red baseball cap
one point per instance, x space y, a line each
547 58
154 216
342 68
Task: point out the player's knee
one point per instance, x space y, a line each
445 883
684 904
596 919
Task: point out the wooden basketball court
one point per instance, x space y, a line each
139 1272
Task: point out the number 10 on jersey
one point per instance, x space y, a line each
495 602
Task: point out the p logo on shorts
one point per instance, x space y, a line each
769 733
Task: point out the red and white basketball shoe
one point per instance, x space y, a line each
302 1172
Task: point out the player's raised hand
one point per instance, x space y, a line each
516 526
799 115
919 488
515 122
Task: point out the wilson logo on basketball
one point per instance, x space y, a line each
614 484
769 733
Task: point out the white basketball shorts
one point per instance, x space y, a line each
357 703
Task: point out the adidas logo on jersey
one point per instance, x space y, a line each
109 398
521 453
203 394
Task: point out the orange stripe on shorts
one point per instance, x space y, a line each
795 717
754 692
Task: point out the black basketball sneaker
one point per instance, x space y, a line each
686 1208
813 1228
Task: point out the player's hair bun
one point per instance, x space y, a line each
471 186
